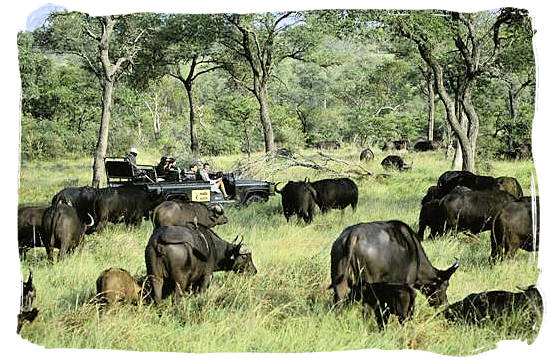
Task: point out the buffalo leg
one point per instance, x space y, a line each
157 283
382 315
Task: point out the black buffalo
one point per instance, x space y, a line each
335 193
179 213
81 198
492 306
180 259
128 205
298 198
431 194
431 216
424 145
473 210
26 312
63 229
327 145
451 179
385 253
394 162
513 229
366 155
29 227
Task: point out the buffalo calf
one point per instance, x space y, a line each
480 308
117 285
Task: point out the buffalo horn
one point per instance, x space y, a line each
92 220
449 272
275 188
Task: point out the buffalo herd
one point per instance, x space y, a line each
381 264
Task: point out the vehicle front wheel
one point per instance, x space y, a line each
254 198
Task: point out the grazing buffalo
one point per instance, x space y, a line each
394 162
328 145
29 227
423 146
81 198
488 307
298 198
431 216
431 194
401 144
513 229
182 259
451 179
388 146
510 185
366 155
335 193
63 229
130 205
117 285
473 210
26 312
385 252
179 213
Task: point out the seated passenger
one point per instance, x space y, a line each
216 185
192 175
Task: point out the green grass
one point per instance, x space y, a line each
286 307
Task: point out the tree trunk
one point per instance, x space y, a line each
103 135
192 129
513 115
269 139
431 107
462 135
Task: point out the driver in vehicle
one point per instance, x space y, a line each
216 185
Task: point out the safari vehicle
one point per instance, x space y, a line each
239 191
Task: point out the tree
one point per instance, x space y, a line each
258 43
477 40
182 47
107 46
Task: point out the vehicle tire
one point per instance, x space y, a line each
254 198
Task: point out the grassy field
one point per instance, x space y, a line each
286 307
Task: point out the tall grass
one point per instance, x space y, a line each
286 307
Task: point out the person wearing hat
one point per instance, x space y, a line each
131 157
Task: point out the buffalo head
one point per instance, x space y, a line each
436 291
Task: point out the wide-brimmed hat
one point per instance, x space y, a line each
134 150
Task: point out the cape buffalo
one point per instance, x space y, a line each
513 229
63 229
488 307
178 213
431 216
29 227
473 210
335 193
182 259
422 146
130 205
116 285
298 198
366 155
81 198
26 312
385 252
510 185
431 194
327 145
451 179
388 146
394 162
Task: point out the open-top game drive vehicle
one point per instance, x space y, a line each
120 172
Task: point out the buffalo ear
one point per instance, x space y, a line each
446 274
